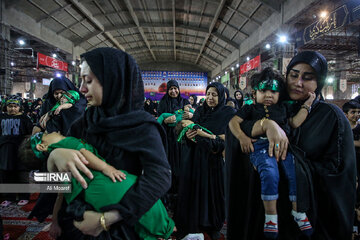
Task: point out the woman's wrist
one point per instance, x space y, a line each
111 217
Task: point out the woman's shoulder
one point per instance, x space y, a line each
329 111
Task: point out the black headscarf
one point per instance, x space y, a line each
168 104
227 93
316 61
215 119
239 103
58 83
149 108
120 116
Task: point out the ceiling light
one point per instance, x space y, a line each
247 58
12 64
34 81
282 39
237 65
330 80
54 55
267 46
58 75
232 68
21 42
225 72
323 14
73 63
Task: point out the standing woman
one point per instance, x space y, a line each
238 95
193 101
125 135
201 193
63 121
325 164
169 103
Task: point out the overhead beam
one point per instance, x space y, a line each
168 48
136 21
53 12
169 25
235 28
211 28
174 27
95 22
87 37
273 4
244 15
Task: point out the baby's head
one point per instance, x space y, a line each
268 86
70 96
34 148
181 125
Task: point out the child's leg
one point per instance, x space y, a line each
300 217
269 175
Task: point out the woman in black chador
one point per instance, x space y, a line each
238 95
125 135
66 117
171 102
324 158
201 191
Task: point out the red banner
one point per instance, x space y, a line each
52 62
251 64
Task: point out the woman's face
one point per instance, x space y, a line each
90 86
58 94
191 100
173 92
212 97
301 80
238 96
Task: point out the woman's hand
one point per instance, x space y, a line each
246 144
190 134
171 119
113 173
311 99
278 141
61 107
91 224
187 115
43 120
64 160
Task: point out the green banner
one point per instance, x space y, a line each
225 78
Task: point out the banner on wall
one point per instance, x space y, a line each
343 85
190 83
225 78
242 83
51 62
249 65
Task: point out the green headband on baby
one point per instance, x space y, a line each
268 85
75 96
35 140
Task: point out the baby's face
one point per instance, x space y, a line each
50 138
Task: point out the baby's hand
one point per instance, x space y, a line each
311 98
113 173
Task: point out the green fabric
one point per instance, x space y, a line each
249 102
74 97
13 101
35 140
178 114
268 85
191 126
102 191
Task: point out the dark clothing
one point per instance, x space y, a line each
277 112
126 136
150 108
12 132
325 166
194 105
201 204
170 105
63 121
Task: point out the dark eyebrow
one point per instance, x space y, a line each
297 71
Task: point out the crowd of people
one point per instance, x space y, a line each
276 163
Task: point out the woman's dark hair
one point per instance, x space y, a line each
269 74
27 156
